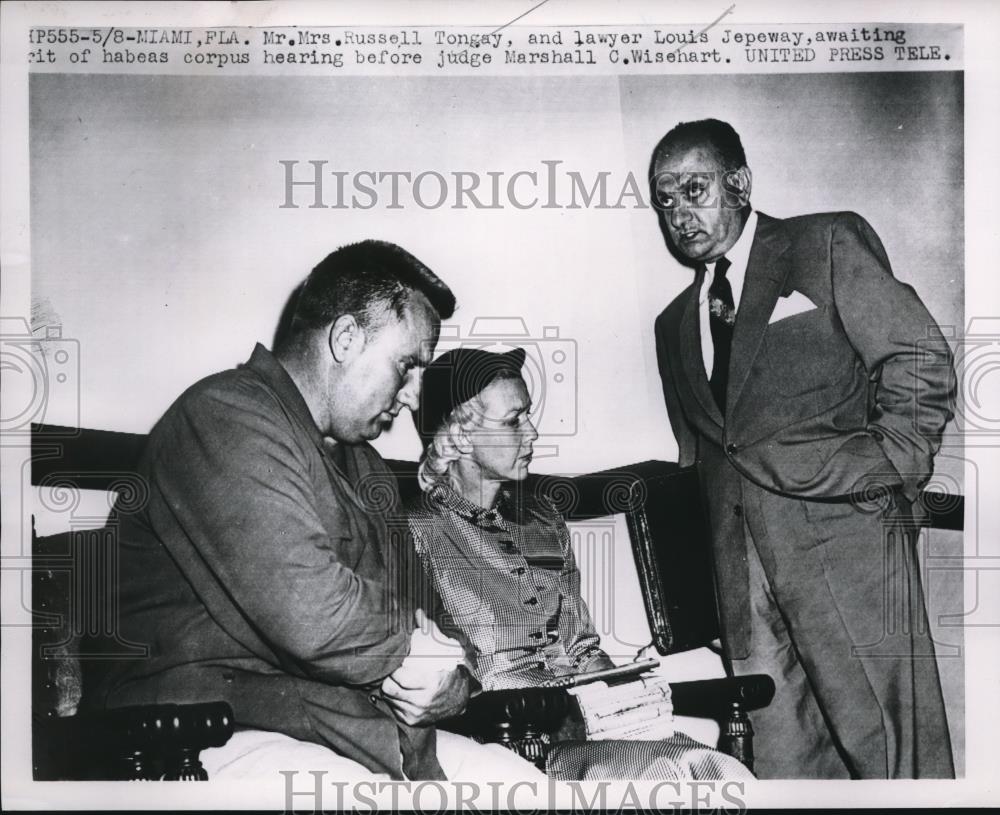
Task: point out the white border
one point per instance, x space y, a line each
982 180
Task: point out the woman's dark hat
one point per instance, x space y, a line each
455 377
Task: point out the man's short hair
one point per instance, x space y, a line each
369 280
717 135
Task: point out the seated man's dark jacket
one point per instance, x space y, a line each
256 572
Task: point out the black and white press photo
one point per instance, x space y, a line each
513 408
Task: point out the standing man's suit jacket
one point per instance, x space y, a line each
849 395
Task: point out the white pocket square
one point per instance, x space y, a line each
795 303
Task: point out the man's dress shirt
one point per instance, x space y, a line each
738 255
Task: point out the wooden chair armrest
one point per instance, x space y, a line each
142 742
507 714
726 700
513 711
712 698
520 719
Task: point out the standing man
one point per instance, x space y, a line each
790 373
257 572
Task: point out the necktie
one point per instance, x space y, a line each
721 317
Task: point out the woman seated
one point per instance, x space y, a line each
501 562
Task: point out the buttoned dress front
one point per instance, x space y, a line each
508 589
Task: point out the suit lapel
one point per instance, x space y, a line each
766 274
692 361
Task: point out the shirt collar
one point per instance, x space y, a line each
738 257
266 366
446 496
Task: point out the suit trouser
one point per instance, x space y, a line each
792 738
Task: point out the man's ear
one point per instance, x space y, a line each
738 184
346 339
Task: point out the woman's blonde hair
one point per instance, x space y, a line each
443 448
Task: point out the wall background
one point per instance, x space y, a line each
158 244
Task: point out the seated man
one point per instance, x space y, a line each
256 574
500 560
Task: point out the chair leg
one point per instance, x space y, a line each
527 742
736 738
136 767
188 767
535 750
